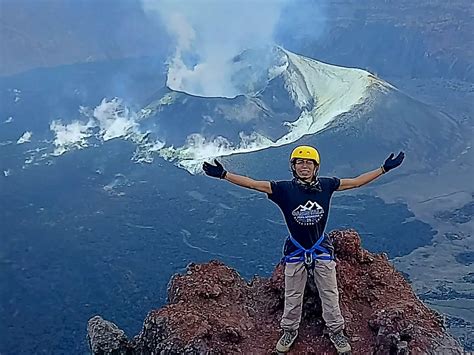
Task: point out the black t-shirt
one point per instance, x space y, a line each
305 210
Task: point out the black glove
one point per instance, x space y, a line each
214 171
391 163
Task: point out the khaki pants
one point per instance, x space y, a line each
325 280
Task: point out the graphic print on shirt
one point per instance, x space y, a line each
309 214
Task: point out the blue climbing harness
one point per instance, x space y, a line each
307 255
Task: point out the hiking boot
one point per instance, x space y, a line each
340 342
286 341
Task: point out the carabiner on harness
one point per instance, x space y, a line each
308 256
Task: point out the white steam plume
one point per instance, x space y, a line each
208 35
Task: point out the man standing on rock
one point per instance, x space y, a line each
304 202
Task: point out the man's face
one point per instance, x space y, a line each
305 168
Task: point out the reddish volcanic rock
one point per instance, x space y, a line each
213 310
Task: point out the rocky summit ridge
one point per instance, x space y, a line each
212 309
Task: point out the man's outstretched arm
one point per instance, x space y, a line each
244 181
361 180
218 171
389 164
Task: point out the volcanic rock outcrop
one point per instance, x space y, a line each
212 309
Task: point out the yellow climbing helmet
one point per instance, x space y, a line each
305 152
